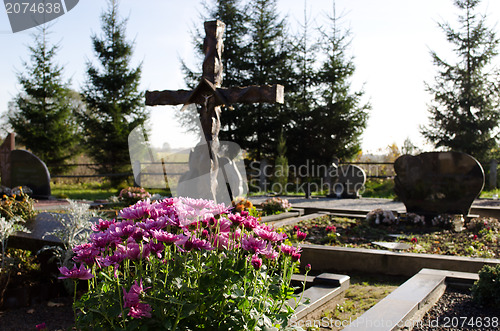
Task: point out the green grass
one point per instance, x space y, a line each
379 188
84 191
91 191
374 188
490 193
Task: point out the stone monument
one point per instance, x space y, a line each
351 180
436 183
28 170
8 145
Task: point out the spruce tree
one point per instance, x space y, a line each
114 104
42 114
270 60
301 96
466 101
281 164
335 125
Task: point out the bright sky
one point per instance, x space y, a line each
391 40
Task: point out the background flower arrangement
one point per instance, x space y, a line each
131 195
17 203
380 216
187 264
275 206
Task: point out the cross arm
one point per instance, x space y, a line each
253 94
157 98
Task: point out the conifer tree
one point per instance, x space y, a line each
270 63
465 111
114 104
336 123
42 114
301 96
281 164
321 118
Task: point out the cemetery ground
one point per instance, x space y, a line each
365 289
481 240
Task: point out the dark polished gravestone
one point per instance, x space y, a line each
40 229
26 169
437 183
351 180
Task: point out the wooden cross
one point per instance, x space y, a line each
210 95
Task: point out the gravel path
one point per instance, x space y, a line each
455 310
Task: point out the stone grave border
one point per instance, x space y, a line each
345 259
291 214
430 275
405 306
324 292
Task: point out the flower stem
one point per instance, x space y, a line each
74 299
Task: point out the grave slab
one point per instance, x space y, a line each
391 245
401 305
44 223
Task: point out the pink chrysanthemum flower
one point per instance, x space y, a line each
250 222
224 225
76 273
301 235
140 210
164 236
295 256
197 244
85 253
132 300
140 310
101 239
236 219
102 225
122 230
269 234
253 245
289 250
256 262
269 252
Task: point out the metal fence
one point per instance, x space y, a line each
82 172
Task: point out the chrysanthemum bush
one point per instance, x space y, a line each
184 264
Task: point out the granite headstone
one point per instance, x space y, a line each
437 183
8 145
351 179
28 170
